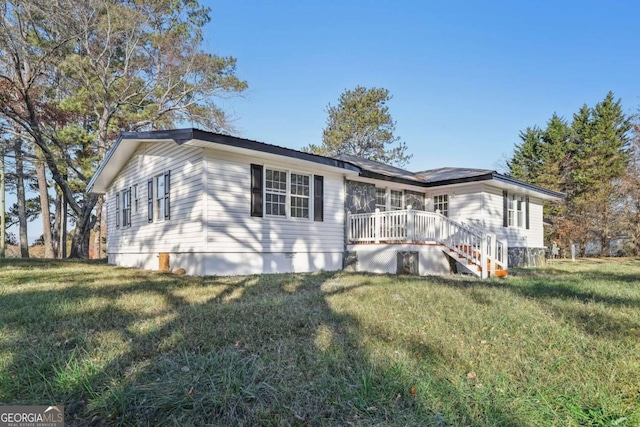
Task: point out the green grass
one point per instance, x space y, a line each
550 346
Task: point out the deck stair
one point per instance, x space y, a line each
476 249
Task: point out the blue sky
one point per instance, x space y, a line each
465 76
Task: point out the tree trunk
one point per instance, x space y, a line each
101 149
44 203
98 230
22 203
56 226
84 222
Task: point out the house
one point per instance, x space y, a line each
220 205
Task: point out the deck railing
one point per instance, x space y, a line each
471 243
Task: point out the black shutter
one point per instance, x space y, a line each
117 210
526 212
150 200
318 198
505 209
167 199
256 190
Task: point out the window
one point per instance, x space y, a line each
117 210
276 193
161 197
126 208
289 194
441 203
396 200
381 199
515 215
150 200
520 214
299 195
135 198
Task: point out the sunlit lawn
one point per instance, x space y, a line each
553 346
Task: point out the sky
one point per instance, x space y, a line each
465 76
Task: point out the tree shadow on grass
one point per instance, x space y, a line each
257 350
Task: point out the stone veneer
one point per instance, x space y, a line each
527 257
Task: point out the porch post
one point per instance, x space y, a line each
348 233
483 257
410 224
376 225
493 252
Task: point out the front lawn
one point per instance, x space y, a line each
552 346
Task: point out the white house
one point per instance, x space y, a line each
220 205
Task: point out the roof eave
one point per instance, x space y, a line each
550 194
182 136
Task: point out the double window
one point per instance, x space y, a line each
282 188
286 194
389 199
441 204
515 210
158 201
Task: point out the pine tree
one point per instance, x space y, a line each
361 125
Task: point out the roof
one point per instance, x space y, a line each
448 173
128 142
374 169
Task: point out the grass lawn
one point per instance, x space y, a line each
552 346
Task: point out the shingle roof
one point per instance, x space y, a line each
448 173
378 168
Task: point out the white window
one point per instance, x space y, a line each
520 213
515 212
276 193
126 208
441 203
300 195
135 198
117 209
396 200
160 195
287 194
381 199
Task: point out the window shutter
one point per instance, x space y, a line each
526 212
256 190
318 198
505 208
167 198
150 200
117 210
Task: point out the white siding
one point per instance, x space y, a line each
231 228
465 202
517 237
183 231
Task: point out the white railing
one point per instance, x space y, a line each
471 243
